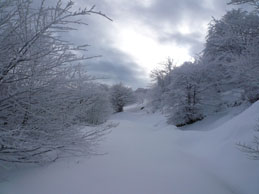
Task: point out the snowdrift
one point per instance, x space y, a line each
218 147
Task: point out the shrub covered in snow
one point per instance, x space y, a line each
120 96
98 107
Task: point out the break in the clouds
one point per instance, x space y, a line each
143 34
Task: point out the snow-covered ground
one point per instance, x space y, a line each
147 156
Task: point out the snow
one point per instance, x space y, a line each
147 156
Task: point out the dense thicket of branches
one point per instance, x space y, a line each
45 98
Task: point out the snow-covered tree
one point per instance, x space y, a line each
232 52
121 96
177 92
162 79
183 98
40 96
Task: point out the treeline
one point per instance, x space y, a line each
46 96
225 74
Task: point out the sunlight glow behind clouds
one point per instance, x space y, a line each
142 44
184 29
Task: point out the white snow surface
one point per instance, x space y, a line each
147 156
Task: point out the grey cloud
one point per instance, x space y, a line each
193 40
118 67
175 11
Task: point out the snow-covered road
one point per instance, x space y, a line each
144 156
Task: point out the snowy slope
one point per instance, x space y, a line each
147 156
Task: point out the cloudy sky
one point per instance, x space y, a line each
143 34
